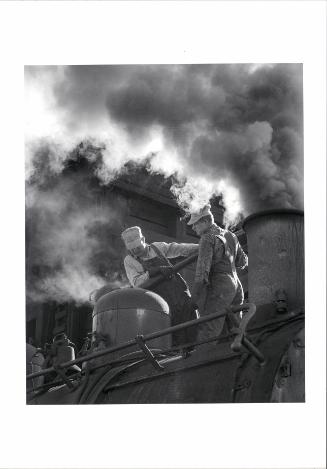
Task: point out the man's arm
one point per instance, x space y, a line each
203 266
241 259
172 250
134 271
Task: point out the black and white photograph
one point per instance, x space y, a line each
164 234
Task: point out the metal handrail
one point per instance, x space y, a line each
154 335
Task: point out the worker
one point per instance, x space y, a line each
148 260
216 284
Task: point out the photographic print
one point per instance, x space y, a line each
164 234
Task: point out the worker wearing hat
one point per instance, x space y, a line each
148 260
216 284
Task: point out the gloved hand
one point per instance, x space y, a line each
153 271
167 271
194 305
197 294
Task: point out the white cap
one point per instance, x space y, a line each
196 216
132 237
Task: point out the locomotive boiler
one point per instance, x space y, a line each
128 357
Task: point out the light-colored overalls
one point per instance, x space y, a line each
224 287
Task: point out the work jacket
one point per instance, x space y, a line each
219 253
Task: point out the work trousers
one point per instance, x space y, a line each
223 291
183 311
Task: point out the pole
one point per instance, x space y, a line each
154 281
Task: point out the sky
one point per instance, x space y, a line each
234 130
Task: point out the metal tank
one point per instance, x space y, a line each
275 241
276 259
34 363
125 313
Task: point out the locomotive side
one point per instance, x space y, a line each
129 358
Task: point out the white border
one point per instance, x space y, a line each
201 436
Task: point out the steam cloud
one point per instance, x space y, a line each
68 231
234 130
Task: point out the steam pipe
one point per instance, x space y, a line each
154 335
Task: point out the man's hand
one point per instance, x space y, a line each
165 270
153 271
193 305
197 294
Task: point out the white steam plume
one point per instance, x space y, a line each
63 242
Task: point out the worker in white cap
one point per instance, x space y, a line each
216 284
148 260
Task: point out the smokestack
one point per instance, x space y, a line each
276 259
217 210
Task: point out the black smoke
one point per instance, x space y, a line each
226 122
239 122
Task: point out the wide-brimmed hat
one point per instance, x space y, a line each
203 212
132 237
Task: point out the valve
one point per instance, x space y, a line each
281 301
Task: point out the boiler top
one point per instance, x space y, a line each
124 313
131 298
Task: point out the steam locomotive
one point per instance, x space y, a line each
128 357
